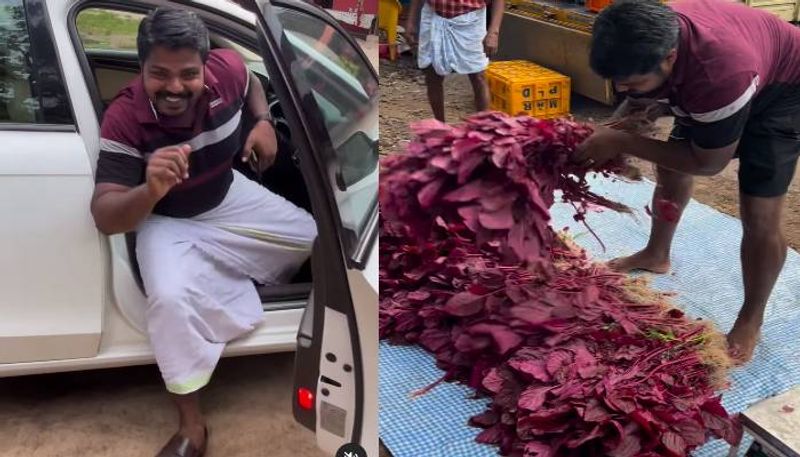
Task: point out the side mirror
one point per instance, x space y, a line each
356 158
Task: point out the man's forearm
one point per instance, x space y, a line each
122 211
256 98
498 9
678 156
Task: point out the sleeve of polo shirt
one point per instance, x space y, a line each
120 160
232 73
718 110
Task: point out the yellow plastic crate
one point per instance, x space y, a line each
786 11
522 87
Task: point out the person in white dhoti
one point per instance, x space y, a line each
453 37
204 231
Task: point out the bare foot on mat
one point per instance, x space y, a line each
742 341
642 260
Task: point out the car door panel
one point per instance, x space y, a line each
340 324
51 268
364 289
328 363
336 377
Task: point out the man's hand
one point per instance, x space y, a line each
261 146
167 167
598 149
490 42
411 34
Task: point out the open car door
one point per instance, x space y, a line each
329 94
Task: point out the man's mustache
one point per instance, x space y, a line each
164 94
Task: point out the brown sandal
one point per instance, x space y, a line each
180 446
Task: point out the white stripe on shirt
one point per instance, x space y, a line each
119 148
731 109
211 137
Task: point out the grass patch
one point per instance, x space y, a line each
102 29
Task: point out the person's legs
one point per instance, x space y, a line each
192 422
763 253
429 57
480 88
163 264
197 278
259 233
768 153
435 84
186 335
676 189
471 56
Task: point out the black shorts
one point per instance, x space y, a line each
768 151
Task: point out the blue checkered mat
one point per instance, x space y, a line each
707 278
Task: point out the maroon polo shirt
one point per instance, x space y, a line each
734 62
132 130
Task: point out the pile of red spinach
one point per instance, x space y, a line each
577 360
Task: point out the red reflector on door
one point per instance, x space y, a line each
305 398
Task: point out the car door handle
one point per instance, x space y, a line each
330 381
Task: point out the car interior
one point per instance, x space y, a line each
113 69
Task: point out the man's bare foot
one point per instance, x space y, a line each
742 341
642 260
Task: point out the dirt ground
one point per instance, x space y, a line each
403 99
126 412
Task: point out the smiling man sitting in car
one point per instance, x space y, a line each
168 141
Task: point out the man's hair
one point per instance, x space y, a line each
174 29
632 37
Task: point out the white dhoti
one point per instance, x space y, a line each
197 275
452 45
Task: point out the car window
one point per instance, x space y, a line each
346 91
107 29
113 31
31 86
253 60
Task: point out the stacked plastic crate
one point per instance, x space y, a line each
522 87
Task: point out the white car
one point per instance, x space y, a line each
71 298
